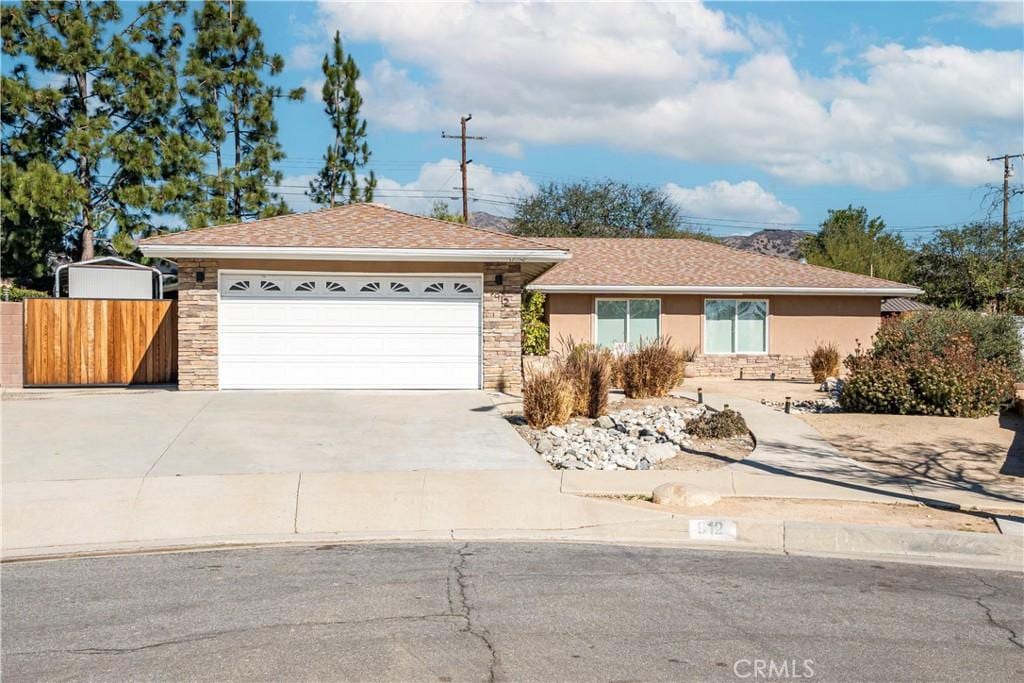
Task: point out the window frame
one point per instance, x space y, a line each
735 327
627 299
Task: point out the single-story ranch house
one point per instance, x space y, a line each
366 297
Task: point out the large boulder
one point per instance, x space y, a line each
684 495
656 452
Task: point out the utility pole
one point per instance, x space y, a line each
1007 172
465 162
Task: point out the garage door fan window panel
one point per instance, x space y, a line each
735 326
299 286
624 323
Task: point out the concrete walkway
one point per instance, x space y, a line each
791 449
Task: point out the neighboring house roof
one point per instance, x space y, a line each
686 265
900 304
353 230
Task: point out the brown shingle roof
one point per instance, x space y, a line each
353 226
688 263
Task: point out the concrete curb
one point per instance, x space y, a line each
862 542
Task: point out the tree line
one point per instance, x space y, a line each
117 124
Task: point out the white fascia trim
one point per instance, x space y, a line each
736 291
344 254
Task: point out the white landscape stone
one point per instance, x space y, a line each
627 439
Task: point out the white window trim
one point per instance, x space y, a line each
627 299
735 328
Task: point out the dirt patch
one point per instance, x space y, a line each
624 403
756 389
984 455
797 510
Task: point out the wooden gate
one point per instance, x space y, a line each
100 341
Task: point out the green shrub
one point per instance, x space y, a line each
724 424
994 336
652 370
906 375
547 398
825 361
589 370
15 293
536 334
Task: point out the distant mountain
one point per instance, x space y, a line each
482 219
784 243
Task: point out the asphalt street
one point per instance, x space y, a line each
491 611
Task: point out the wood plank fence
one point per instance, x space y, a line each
100 341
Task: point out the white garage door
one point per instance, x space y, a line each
301 331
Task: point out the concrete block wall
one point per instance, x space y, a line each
12 344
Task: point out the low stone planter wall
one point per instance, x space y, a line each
753 366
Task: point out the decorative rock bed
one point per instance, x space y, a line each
627 439
831 386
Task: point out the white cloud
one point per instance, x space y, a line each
1000 14
653 78
304 56
745 200
436 181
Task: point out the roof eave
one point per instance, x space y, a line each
172 251
734 291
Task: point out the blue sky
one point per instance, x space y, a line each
752 114
749 114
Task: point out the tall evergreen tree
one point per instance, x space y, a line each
229 107
337 182
88 142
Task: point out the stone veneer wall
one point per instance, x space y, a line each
197 326
502 327
12 331
754 366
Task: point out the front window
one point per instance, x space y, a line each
735 326
627 321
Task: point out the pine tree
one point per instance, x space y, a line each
229 107
89 145
337 181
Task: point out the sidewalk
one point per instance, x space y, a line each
790 460
58 519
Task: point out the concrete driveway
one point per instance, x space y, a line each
115 434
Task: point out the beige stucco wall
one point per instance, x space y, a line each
197 312
795 323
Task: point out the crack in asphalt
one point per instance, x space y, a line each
210 635
460 606
1013 636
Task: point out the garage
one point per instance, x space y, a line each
349 331
358 296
